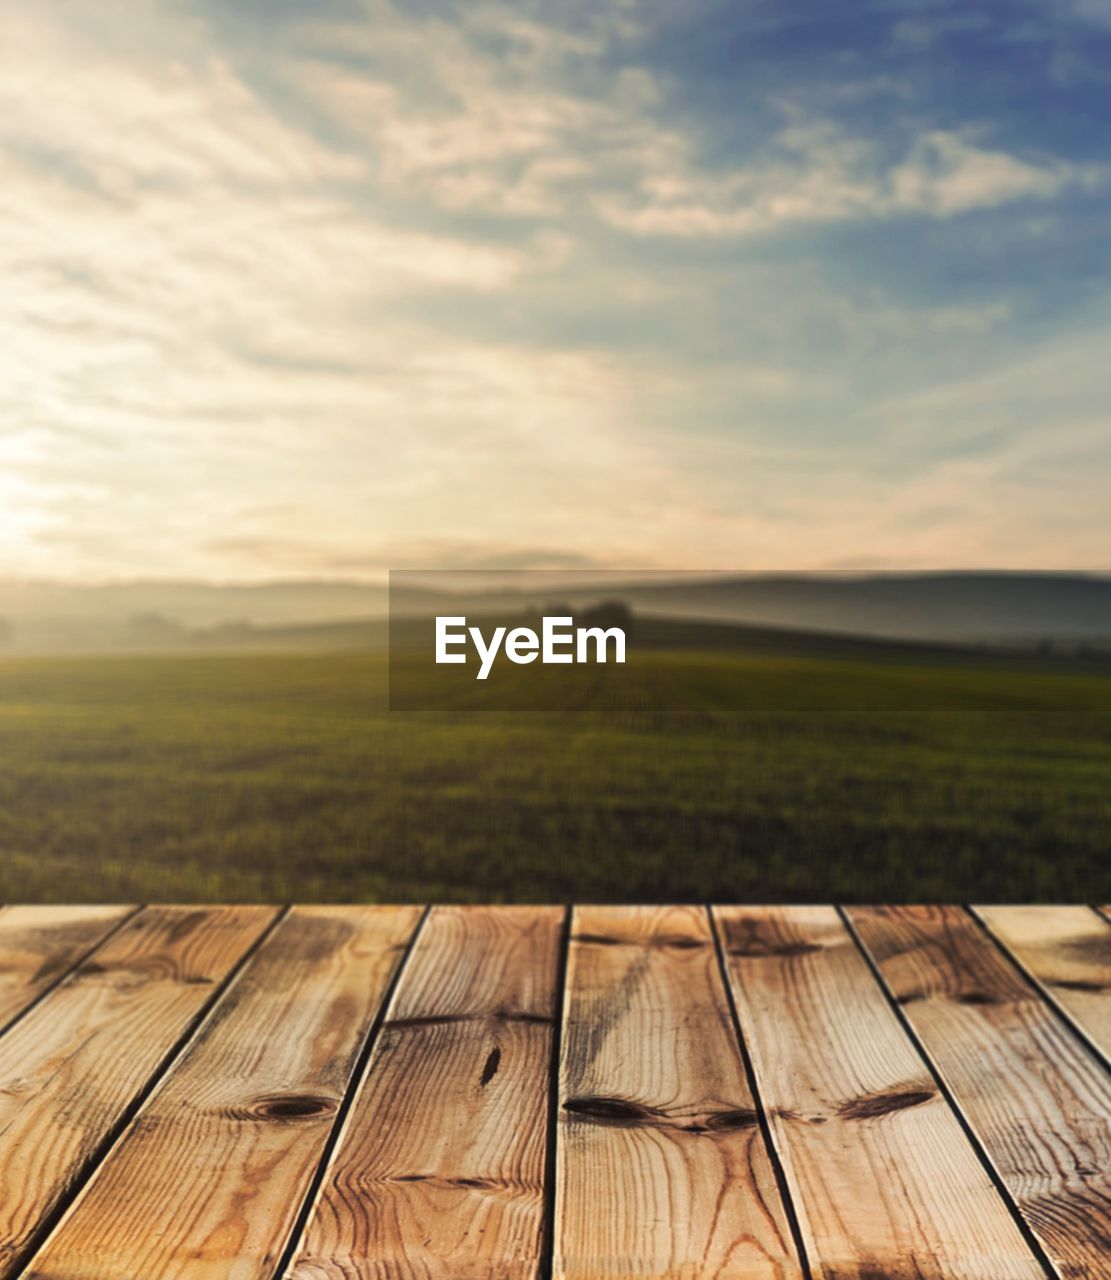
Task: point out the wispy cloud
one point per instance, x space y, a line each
823 176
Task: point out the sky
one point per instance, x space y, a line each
313 290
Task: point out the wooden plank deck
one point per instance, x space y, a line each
596 1093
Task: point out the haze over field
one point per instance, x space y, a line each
973 607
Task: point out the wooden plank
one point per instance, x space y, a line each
39 944
440 1168
208 1180
881 1174
1036 1097
1067 952
73 1065
662 1167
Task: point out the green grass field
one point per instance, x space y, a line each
710 775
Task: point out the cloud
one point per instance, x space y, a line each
946 174
453 555
469 127
290 288
828 176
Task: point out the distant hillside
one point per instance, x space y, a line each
951 606
966 607
997 608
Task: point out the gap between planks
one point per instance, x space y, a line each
1065 952
41 946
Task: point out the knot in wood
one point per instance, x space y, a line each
286 1107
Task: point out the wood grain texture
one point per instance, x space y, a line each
440 1168
1036 1097
39 944
207 1182
72 1066
882 1177
1067 952
662 1167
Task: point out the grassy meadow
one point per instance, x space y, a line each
720 775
